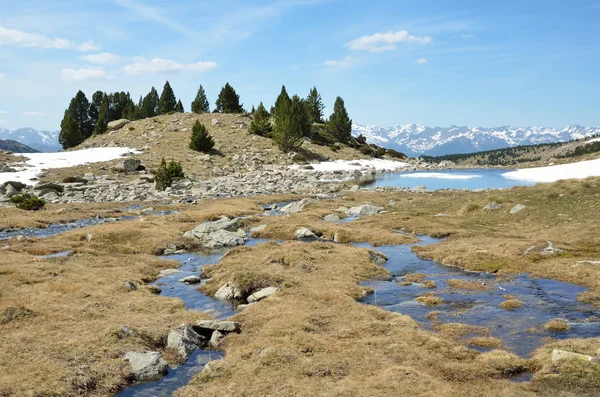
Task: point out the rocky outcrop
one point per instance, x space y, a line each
117 124
218 234
228 292
147 366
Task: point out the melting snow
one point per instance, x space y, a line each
37 162
580 170
349 165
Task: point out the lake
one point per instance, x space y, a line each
470 179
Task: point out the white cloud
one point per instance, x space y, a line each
421 61
3 112
89 46
85 74
18 38
32 114
104 58
157 65
342 63
380 42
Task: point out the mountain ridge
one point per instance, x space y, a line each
42 141
416 140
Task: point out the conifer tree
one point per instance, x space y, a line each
179 107
261 124
78 114
200 103
300 108
228 101
287 133
339 125
69 135
167 101
102 124
315 106
283 97
201 141
95 107
166 173
150 104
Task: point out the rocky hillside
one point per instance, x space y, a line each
15 147
416 140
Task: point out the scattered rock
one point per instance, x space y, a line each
492 206
364 210
331 218
228 292
559 355
218 325
190 280
218 234
10 191
131 165
215 339
305 234
296 206
517 208
377 258
551 249
215 122
185 341
262 294
147 366
258 229
130 286
419 189
117 124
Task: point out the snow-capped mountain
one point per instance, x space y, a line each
44 141
415 140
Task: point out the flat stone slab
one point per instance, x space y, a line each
559 355
262 294
218 325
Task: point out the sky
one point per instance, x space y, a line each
435 63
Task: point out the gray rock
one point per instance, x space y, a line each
296 206
492 206
167 272
215 339
215 122
228 292
219 234
10 191
185 341
117 124
331 218
305 234
262 294
130 286
258 229
218 325
190 280
421 188
147 366
550 249
131 165
559 355
517 208
377 258
364 210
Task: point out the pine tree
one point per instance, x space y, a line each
76 125
69 135
201 141
261 124
300 108
179 107
315 106
287 133
102 124
340 125
165 174
150 104
200 104
167 101
95 107
228 101
283 97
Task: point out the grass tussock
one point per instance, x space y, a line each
485 341
511 304
467 285
430 300
557 325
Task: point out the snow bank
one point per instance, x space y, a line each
438 175
580 170
593 140
349 165
37 162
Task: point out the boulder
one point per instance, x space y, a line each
190 280
184 341
219 234
228 292
331 218
559 355
218 325
117 124
305 234
11 191
377 258
147 366
517 208
262 294
492 206
131 165
296 206
364 210
215 339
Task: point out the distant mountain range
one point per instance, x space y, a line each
42 141
416 140
15 147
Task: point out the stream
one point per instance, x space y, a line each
521 330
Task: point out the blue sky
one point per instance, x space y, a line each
437 63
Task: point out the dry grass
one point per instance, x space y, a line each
430 300
468 285
557 325
485 341
414 277
511 304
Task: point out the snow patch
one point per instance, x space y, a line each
580 170
37 162
349 165
438 175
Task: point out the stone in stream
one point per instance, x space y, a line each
262 294
218 234
218 325
215 339
331 218
364 210
559 355
305 234
146 366
377 258
185 341
190 280
517 208
228 292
